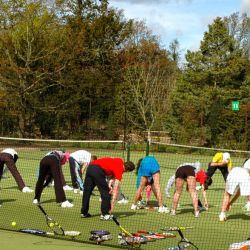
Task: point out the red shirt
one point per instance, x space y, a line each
201 177
111 166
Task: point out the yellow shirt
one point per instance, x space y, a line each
218 158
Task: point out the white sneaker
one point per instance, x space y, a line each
67 188
106 217
198 188
173 212
196 214
81 192
35 201
168 195
122 201
163 209
100 199
76 190
66 204
247 207
27 190
133 207
222 217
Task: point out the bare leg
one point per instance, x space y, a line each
156 178
178 190
140 189
192 190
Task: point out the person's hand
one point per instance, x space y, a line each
206 206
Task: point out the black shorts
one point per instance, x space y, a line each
185 171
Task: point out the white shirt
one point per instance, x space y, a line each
10 151
81 156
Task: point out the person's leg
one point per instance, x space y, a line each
72 167
89 185
43 171
140 189
224 206
178 190
15 173
191 182
1 169
56 171
224 172
156 178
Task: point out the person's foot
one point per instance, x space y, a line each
173 212
66 204
36 201
27 190
123 201
133 207
222 217
163 209
85 215
67 188
196 214
106 217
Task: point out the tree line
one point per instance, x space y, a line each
81 70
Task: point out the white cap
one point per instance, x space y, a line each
197 166
247 164
10 151
226 156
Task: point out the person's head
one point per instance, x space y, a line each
138 166
65 159
129 166
208 182
93 158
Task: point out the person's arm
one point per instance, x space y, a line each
219 164
84 167
116 185
236 196
170 183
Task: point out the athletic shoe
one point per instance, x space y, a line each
163 209
141 204
222 217
27 190
173 212
76 190
35 201
247 207
198 188
133 207
85 215
123 201
197 214
81 192
100 199
66 204
67 188
106 217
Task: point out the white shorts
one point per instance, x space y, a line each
238 178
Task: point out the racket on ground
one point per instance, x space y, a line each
122 229
35 231
51 223
155 235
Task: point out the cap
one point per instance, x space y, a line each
197 166
226 156
247 164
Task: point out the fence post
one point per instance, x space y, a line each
128 151
147 148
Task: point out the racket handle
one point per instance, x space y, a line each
41 208
116 221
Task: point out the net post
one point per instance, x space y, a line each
128 151
147 147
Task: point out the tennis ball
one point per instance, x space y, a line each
51 224
13 223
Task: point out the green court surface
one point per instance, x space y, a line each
14 240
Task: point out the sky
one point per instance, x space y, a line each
185 20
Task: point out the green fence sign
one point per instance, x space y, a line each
235 105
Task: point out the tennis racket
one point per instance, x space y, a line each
155 235
40 232
184 243
51 223
121 228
